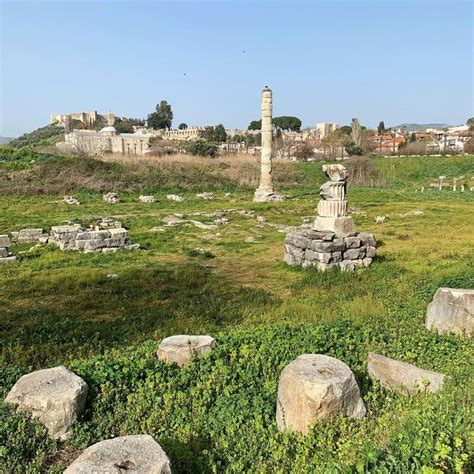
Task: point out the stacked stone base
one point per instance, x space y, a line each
74 237
326 250
265 195
5 254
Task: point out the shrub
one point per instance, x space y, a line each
202 148
39 136
362 172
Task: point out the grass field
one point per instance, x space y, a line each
217 415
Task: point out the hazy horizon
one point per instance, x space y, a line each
400 62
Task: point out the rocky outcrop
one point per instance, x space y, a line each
314 387
182 349
56 397
139 454
403 377
451 311
5 254
326 250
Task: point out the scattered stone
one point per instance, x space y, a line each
147 199
250 239
403 377
206 196
261 219
314 387
380 219
227 195
221 221
181 349
5 254
71 200
111 198
451 311
174 197
27 236
411 213
134 454
112 275
56 397
107 223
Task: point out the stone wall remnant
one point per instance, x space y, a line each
56 397
265 191
111 198
147 199
403 377
314 387
133 453
451 311
5 254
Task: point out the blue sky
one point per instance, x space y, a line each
408 61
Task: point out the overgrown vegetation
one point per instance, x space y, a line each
218 414
47 135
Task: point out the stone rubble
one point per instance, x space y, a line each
111 198
56 397
174 197
107 236
326 250
147 199
451 311
71 200
28 236
315 387
5 254
206 196
180 350
139 454
403 377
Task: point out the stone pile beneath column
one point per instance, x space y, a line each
325 250
5 254
107 236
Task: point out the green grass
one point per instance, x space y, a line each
218 414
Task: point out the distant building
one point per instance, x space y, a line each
192 133
107 140
87 118
324 129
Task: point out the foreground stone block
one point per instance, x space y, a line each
451 311
403 377
314 387
182 349
5 241
134 454
56 397
147 199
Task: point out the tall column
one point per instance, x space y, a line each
265 190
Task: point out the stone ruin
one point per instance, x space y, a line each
147 199
5 254
111 198
107 236
71 200
332 241
28 236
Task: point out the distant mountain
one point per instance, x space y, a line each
411 127
4 140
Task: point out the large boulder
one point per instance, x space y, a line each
135 454
452 310
56 397
403 377
181 349
314 387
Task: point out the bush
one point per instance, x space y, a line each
362 172
39 136
353 150
202 148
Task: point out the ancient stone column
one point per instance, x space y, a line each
332 208
356 131
265 190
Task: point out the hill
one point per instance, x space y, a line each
412 127
4 140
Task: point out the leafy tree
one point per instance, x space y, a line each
182 126
470 123
125 125
381 127
413 137
255 125
40 136
353 150
346 129
215 134
162 117
287 123
201 147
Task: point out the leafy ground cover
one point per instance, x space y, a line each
103 316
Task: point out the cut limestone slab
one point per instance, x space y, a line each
181 349
403 377
139 454
5 241
56 397
314 387
451 311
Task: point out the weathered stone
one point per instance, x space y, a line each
181 349
139 454
205 196
336 257
341 226
451 311
336 245
56 397
346 266
403 377
111 198
147 199
295 251
5 241
370 252
26 236
366 261
10 258
297 240
367 239
324 267
336 172
352 242
314 387
353 254
174 197
4 252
